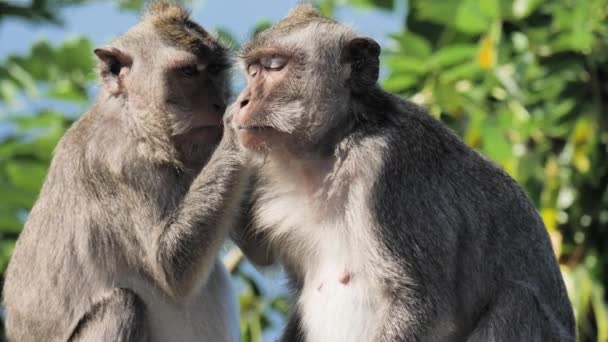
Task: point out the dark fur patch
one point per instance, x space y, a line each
173 24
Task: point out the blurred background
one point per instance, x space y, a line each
525 82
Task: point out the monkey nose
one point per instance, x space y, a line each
244 103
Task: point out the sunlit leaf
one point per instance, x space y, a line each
600 308
487 55
549 216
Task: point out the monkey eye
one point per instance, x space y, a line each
189 70
274 62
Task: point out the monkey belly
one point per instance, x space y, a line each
211 315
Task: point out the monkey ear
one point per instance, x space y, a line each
113 67
362 54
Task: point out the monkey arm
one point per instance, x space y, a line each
186 247
528 318
250 240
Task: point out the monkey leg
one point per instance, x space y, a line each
519 315
118 317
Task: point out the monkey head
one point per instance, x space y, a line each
172 76
302 76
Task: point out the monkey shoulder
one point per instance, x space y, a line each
430 185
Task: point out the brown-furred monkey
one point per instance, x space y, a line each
122 243
390 227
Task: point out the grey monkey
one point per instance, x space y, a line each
121 244
389 226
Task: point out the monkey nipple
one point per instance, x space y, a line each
345 278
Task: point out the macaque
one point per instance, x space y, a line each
122 242
389 226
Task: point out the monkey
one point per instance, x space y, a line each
389 227
122 243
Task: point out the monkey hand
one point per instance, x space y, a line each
230 141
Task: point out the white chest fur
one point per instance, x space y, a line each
340 301
341 298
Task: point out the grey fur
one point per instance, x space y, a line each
122 241
443 245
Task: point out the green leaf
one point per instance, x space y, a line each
26 175
131 5
76 56
399 63
24 78
9 220
467 16
453 54
16 198
460 72
495 143
38 62
413 45
388 5
67 90
8 91
6 249
600 308
399 82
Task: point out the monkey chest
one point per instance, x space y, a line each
341 300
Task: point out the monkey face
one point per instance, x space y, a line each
256 117
173 75
195 96
302 76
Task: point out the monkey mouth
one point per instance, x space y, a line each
255 128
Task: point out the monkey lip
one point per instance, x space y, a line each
254 128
